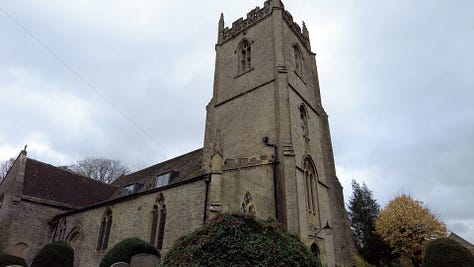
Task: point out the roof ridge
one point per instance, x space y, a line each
163 162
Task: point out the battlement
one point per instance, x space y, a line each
256 15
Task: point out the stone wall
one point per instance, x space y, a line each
131 217
24 221
29 229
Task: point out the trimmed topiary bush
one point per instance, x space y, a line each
240 240
56 254
124 250
446 252
6 260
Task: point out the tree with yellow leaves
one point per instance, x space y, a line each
407 226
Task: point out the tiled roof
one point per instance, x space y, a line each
45 181
187 165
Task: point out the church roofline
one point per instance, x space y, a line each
131 178
45 181
453 234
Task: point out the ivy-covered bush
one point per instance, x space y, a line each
239 240
6 260
124 250
446 252
56 254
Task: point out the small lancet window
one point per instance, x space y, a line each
153 224
304 120
245 56
104 232
298 60
62 230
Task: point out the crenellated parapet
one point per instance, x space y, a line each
253 17
303 35
258 14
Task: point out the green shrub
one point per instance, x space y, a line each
6 260
124 250
239 240
56 254
446 252
358 261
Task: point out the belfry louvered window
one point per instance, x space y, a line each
245 56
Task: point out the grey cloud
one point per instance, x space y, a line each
396 80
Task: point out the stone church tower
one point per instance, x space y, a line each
267 141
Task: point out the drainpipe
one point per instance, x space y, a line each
274 167
207 180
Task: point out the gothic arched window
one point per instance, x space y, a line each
247 205
298 60
311 189
157 222
245 56
104 232
304 119
315 250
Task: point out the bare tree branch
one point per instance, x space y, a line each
5 166
101 169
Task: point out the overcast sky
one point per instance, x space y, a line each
396 78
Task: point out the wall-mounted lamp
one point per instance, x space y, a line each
327 229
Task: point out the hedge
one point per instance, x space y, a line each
447 252
240 240
6 260
124 250
56 254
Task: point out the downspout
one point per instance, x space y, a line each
275 173
207 180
